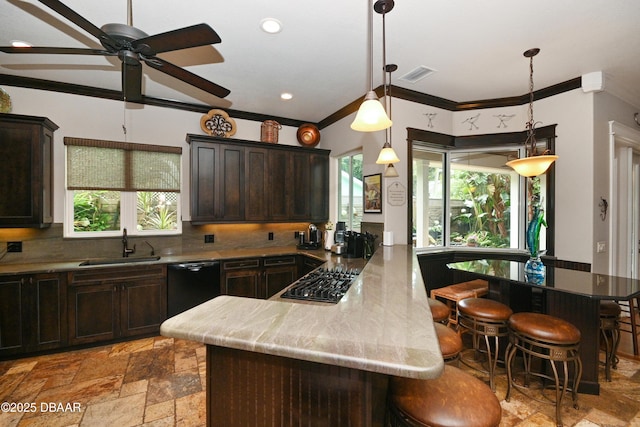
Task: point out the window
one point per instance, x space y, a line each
464 198
350 203
463 194
114 185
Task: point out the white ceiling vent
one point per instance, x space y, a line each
417 74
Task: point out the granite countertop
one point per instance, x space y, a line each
383 324
72 265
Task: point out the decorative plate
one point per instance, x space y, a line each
218 123
308 135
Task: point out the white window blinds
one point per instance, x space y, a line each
121 166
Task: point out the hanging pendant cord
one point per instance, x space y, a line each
530 143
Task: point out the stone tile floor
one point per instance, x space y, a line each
161 382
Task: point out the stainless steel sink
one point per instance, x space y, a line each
105 261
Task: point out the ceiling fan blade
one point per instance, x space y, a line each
55 50
183 38
81 22
131 81
186 76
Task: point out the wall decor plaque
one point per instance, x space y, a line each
218 123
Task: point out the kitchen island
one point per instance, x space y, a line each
284 362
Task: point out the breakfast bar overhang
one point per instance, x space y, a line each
279 361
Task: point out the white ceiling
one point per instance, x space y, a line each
321 54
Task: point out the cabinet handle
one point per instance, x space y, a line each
31 280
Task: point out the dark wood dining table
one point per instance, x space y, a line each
568 294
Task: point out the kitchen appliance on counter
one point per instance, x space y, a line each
355 244
310 240
322 285
190 284
339 247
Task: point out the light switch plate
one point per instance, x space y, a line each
601 247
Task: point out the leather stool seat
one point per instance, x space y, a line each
439 311
450 342
610 334
485 318
548 338
453 293
455 399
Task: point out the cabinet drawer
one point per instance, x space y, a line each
241 263
283 260
117 274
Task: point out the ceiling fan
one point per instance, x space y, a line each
133 47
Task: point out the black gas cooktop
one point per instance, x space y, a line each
322 285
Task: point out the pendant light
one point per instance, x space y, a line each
387 154
371 116
533 164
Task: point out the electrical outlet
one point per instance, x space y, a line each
271 235
601 247
209 238
14 246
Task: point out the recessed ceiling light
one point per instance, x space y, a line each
286 96
20 43
271 25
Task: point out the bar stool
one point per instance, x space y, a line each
455 399
452 294
486 318
548 338
439 311
450 343
629 321
610 334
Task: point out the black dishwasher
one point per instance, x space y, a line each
190 284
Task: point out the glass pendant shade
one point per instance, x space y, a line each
532 166
387 155
391 171
371 116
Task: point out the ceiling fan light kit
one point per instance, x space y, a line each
533 164
134 47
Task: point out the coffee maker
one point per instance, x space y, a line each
315 237
340 245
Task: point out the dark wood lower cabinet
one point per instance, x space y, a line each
108 304
32 309
258 277
254 389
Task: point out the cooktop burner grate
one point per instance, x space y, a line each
322 285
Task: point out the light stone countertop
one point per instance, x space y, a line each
383 324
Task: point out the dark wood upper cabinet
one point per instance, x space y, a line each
26 148
217 182
244 181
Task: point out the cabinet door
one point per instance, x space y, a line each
13 301
48 321
25 182
279 185
300 191
143 306
94 312
241 277
231 179
319 187
204 181
278 278
242 283
256 184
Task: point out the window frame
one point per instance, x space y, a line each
512 140
350 155
128 196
